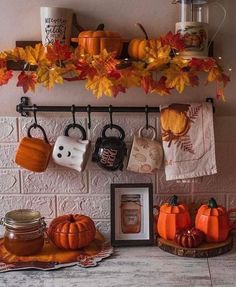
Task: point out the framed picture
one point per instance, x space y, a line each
131 214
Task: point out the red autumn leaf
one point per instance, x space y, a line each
5 76
160 87
117 89
58 52
224 79
174 40
147 84
3 63
114 74
27 81
85 70
194 80
202 64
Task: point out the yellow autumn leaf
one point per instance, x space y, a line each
214 74
3 55
16 54
180 61
100 86
48 76
177 78
36 55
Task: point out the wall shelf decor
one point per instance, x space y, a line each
161 71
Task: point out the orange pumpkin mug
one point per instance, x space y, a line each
34 153
172 216
214 221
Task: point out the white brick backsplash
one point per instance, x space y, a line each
104 227
9 181
171 187
97 207
231 201
209 184
54 127
225 130
129 124
8 130
7 155
44 204
100 180
55 181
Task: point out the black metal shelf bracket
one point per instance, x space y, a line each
24 108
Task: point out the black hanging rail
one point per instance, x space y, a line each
24 108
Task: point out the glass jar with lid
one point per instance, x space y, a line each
130 213
24 232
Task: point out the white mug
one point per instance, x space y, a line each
71 153
56 24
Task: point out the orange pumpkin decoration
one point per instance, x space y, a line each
137 47
94 42
174 122
213 220
189 238
172 217
72 231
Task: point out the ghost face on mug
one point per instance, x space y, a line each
69 152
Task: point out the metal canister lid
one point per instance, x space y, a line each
23 218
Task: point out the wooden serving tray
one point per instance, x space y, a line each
205 250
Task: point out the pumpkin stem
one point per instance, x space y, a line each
142 28
173 200
72 218
100 27
212 203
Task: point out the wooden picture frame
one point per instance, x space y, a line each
132 214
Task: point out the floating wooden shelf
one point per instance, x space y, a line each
18 66
205 250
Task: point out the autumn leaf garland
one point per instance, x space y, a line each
161 71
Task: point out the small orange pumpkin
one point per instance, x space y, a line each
72 231
94 42
137 47
213 220
172 217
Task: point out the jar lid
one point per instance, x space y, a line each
22 218
130 198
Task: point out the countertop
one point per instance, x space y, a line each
134 267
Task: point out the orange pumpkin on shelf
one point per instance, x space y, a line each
214 221
72 231
189 238
94 42
137 47
172 217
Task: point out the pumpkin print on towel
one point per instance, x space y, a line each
146 154
176 120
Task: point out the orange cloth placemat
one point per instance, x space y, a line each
52 257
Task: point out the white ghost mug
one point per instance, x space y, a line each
69 152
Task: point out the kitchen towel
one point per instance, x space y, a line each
188 140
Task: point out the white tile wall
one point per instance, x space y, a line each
59 190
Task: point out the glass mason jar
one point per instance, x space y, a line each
130 213
24 232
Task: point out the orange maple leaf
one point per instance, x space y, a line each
27 81
160 88
5 76
58 52
175 41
